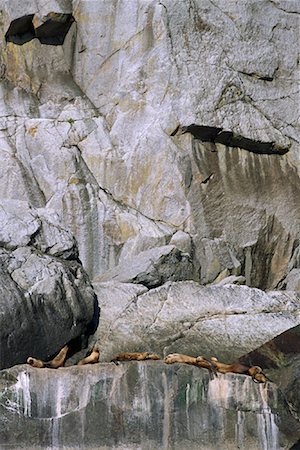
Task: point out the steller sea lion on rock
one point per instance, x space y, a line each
200 361
215 366
254 371
92 358
56 362
135 356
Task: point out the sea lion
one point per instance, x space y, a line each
92 358
135 356
257 374
200 361
35 362
215 366
56 362
254 371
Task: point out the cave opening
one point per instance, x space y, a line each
51 31
21 30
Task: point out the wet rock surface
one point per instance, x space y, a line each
142 405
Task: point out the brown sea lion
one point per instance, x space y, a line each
56 362
92 358
135 356
35 362
200 361
257 374
254 371
215 366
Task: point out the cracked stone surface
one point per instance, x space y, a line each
46 299
152 124
185 317
141 405
152 268
113 129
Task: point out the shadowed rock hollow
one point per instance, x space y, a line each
50 30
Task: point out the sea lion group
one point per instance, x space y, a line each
215 366
211 364
60 359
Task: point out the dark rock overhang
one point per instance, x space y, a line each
276 352
52 30
231 139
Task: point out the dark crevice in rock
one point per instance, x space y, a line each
55 29
257 76
203 133
175 131
218 135
206 180
52 31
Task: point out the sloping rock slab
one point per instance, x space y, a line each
186 317
152 267
140 406
278 352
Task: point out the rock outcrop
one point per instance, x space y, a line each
46 299
144 406
152 268
184 317
165 136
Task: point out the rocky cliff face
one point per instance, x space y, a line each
143 405
152 117
164 136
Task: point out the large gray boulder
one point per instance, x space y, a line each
184 317
144 406
152 267
46 299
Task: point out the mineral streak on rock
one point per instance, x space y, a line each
141 405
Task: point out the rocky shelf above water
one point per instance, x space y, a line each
143 405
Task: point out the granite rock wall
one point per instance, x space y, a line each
143 405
